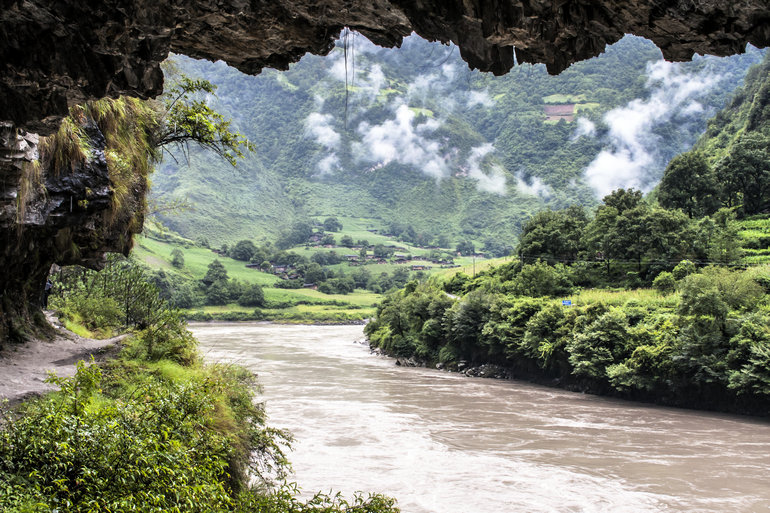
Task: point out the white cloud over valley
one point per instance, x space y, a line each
631 151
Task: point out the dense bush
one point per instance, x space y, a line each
153 430
252 296
706 346
119 296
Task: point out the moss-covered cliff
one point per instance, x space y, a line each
84 196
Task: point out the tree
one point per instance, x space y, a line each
466 248
380 251
599 239
670 235
689 184
332 224
314 273
361 277
540 279
347 241
602 343
185 116
497 248
298 234
243 250
554 236
400 276
724 242
215 272
328 240
177 258
252 296
664 282
623 199
217 293
442 241
746 171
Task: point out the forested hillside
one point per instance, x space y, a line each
412 135
727 167
639 299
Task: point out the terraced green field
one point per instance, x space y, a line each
755 238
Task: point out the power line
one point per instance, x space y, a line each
636 262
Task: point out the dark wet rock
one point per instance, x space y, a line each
58 53
489 370
63 217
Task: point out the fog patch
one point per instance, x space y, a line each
328 165
398 140
532 186
318 127
479 98
493 181
584 128
631 157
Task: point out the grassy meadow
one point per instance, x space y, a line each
293 305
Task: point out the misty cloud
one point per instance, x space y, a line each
494 181
398 140
532 186
479 98
631 155
318 126
585 128
328 164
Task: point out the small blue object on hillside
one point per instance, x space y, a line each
566 302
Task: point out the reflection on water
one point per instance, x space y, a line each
444 443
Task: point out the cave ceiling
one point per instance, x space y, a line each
56 53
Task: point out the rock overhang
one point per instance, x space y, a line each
54 54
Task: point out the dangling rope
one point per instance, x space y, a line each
345 52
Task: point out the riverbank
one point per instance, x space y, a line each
441 442
748 406
148 425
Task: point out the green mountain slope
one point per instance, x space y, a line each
746 113
732 163
411 135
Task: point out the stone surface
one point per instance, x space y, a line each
64 218
56 53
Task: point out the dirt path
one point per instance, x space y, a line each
23 368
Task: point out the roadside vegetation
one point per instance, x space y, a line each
154 429
635 301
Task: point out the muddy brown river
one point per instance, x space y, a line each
444 443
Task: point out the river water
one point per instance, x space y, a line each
444 443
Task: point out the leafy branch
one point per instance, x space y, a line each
187 118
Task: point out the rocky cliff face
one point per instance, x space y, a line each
57 53
47 217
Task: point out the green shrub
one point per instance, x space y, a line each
94 312
252 296
683 269
664 282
